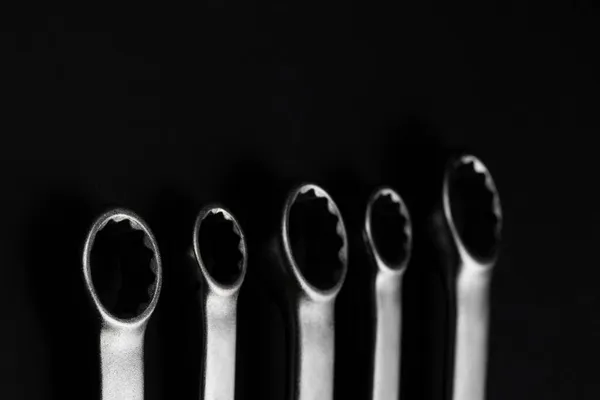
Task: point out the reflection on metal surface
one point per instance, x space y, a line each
388 238
312 254
122 271
219 249
468 224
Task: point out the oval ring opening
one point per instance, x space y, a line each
122 266
315 239
388 229
473 207
220 248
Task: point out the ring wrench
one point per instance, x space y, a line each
468 224
388 237
123 275
219 251
311 250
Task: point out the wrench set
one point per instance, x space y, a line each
308 261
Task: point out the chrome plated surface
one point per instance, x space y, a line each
468 223
221 276
388 238
311 251
122 337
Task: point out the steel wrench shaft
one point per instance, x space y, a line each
315 349
219 366
122 362
472 319
388 330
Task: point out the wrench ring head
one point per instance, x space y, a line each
217 286
136 223
385 263
311 289
484 254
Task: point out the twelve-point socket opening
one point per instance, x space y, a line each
475 207
390 228
221 246
123 268
317 238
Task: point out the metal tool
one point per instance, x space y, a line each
219 251
122 271
468 223
311 252
388 238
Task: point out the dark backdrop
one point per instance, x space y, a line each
163 113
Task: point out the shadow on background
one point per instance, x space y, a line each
413 163
353 308
52 254
254 194
175 335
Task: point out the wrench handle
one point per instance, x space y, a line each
314 350
122 362
220 346
388 330
472 319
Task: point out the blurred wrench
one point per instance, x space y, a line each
122 272
219 251
311 249
468 224
388 238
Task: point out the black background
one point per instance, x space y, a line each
164 113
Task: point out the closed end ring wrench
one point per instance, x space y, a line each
219 251
388 238
468 224
123 275
311 251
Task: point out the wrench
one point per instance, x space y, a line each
123 274
311 255
468 224
219 251
388 237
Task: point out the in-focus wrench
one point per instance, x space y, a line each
219 251
122 272
311 252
